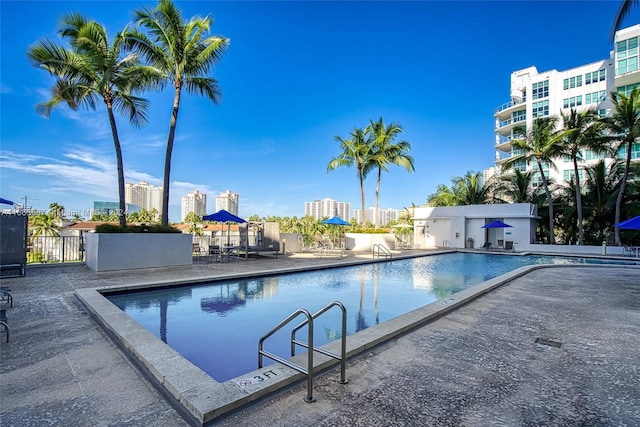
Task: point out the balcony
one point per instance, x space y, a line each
507 125
507 108
503 143
629 78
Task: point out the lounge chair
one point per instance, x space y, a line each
508 246
486 246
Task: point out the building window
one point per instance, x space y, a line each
627 89
595 97
541 89
541 108
572 82
574 101
627 56
569 174
602 113
635 151
594 77
519 116
592 155
519 165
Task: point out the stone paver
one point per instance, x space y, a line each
478 365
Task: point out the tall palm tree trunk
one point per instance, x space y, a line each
377 213
122 216
362 213
552 239
578 203
167 158
623 185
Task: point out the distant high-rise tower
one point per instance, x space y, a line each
144 195
195 202
227 201
327 208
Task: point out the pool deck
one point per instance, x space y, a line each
476 365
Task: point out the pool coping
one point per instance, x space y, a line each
203 399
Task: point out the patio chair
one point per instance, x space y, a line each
486 246
500 244
508 246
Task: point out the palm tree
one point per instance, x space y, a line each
581 131
601 189
540 144
185 53
93 70
385 151
624 125
444 196
356 151
464 190
623 11
516 188
45 225
56 211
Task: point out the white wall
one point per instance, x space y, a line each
123 251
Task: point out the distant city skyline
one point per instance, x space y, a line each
296 75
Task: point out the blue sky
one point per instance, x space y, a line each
297 73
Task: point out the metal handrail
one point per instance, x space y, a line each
309 370
381 248
343 346
448 245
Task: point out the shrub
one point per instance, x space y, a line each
142 228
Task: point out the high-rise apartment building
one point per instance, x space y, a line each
195 202
324 208
144 195
385 215
227 201
544 94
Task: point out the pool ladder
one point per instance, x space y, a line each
381 250
309 345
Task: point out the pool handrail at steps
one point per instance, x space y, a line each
309 345
381 250
448 245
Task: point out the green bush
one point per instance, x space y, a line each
369 230
142 228
33 257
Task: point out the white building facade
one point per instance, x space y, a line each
461 226
195 202
545 94
327 207
144 195
228 201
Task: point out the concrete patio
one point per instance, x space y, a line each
478 365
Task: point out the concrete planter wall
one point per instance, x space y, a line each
123 251
364 241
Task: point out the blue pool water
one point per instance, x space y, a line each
217 326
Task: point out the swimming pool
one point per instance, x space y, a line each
217 326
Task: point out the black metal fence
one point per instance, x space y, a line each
45 249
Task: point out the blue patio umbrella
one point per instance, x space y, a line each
496 224
6 202
336 220
630 224
224 216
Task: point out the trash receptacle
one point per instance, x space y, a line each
470 243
